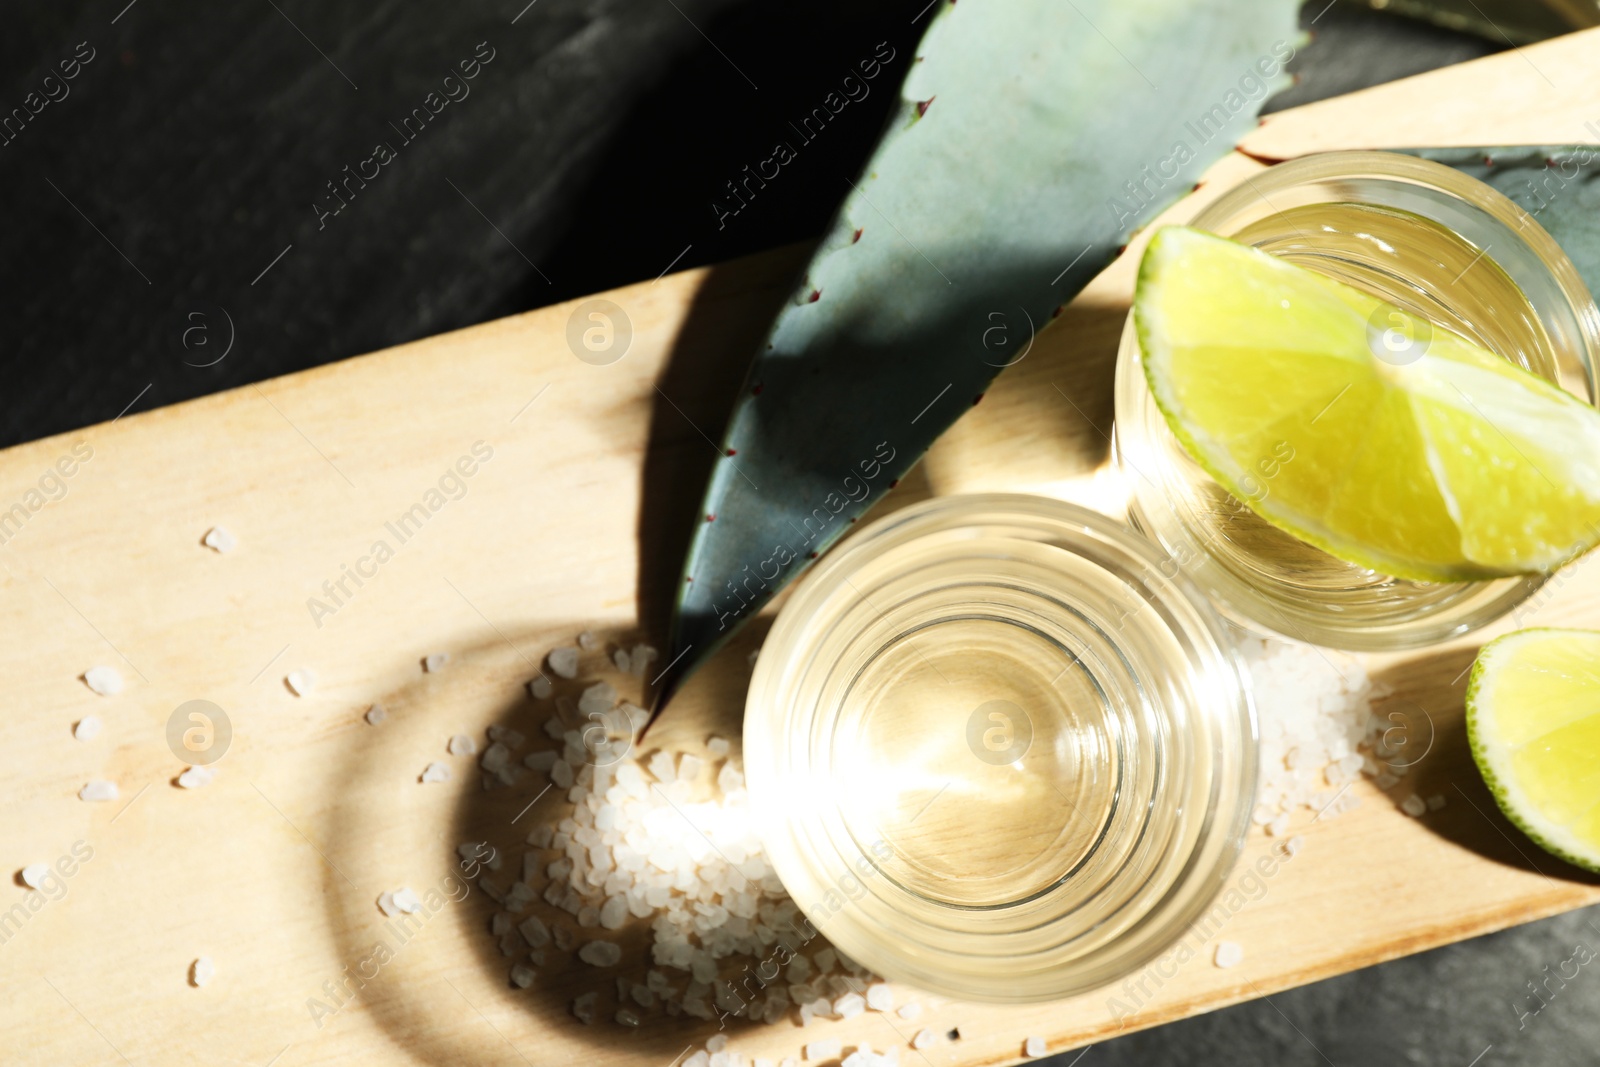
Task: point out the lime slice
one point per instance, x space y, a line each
1533 719
1383 439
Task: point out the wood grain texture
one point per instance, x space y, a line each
273 870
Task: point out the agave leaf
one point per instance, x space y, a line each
1033 137
1556 184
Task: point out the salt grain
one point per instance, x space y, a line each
849 1006
541 688
583 1007
880 997
434 662
435 772
925 1039
826 1049
98 789
107 681
586 641
910 1012
1228 954
521 976
600 954
1414 805
376 714
564 661
34 874
87 729
717 746
201 971
195 777
462 745
301 682
1436 802
219 539
1033 1047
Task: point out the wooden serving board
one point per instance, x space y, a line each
574 521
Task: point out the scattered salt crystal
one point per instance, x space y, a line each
407 901
849 1006
34 874
434 662
521 976
614 913
627 1017
462 745
540 688
1413 805
1033 1047
699 1058
826 1049
435 772
98 789
662 767
201 971
717 746
540 761
301 682
534 931
87 729
1228 954
622 661
880 997
586 641
376 714
689 766
925 1039
716 1042
106 681
564 661
600 954
195 777
910 1012
220 539
1436 802
641 659
583 1007
1279 825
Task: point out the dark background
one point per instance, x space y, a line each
192 147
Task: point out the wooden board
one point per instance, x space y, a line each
571 523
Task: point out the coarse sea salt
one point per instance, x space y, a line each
87 729
301 682
1316 709
107 681
98 789
434 662
34 874
220 539
196 777
435 772
201 971
376 714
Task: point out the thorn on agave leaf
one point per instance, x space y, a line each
923 105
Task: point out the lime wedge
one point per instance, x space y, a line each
1533 719
1390 442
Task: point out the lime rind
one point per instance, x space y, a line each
1539 539
1491 755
